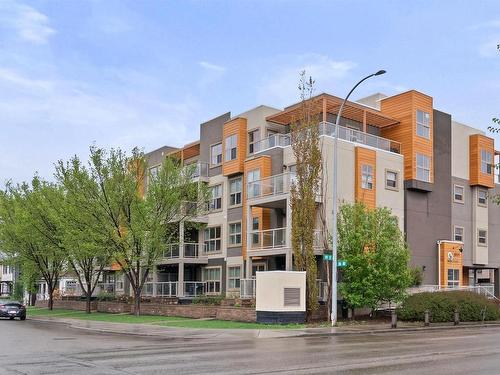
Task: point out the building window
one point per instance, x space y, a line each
423 168
486 162
367 177
391 180
482 197
212 239
253 179
235 233
212 277
231 147
253 138
458 193
216 154
482 237
453 278
458 234
234 277
255 228
235 191
216 198
423 124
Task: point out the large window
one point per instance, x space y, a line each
367 177
253 185
391 180
216 154
482 197
423 168
234 276
453 278
231 147
486 162
216 198
458 193
255 228
212 278
482 237
235 233
458 233
235 191
212 239
253 137
423 124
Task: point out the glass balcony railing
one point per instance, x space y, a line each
191 250
276 238
328 129
273 185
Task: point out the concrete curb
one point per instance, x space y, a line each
192 333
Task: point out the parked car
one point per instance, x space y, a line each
12 309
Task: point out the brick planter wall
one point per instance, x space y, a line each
68 305
113 307
240 314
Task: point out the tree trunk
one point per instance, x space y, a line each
137 301
88 301
51 298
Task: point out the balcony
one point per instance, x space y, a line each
161 289
188 251
271 239
199 171
328 129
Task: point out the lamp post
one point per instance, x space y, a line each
335 200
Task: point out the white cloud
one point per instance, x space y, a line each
212 67
280 86
29 24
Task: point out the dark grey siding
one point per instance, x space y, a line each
428 214
219 262
210 133
494 230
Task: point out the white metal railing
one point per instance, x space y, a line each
161 289
328 129
247 288
268 238
106 287
42 296
274 140
322 290
171 251
191 250
194 288
273 185
487 290
201 169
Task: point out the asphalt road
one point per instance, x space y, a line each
49 348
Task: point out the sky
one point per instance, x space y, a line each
147 73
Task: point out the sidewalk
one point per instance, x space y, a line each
152 330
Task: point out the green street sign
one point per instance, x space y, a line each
341 263
327 256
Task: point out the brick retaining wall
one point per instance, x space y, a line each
239 314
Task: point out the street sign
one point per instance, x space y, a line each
341 263
327 256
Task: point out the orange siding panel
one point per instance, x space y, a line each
454 262
236 126
478 142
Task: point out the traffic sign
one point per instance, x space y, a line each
341 263
327 256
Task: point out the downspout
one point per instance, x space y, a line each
439 263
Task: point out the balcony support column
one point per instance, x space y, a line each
289 260
180 284
249 241
181 239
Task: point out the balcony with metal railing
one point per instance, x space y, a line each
328 129
189 252
198 169
271 239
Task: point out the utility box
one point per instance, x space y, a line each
280 297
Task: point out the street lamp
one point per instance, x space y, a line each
335 201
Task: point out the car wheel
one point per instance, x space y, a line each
11 318
23 317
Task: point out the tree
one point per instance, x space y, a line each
377 257
305 146
89 246
137 222
30 231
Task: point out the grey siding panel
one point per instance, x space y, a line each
234 251
234 214
210 133
462 217
494 230
428 214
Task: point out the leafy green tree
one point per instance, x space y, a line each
88 244
30 230
377 257
134 220
305 147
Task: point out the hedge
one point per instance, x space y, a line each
442 306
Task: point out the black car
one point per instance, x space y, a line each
12 309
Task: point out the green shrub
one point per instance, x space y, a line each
442 305
417 276
208 300
105 296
